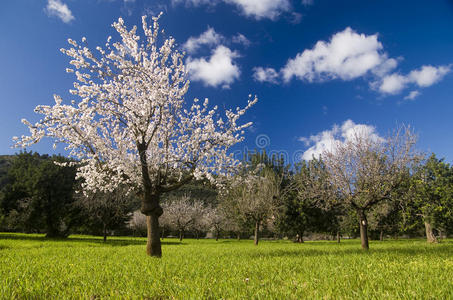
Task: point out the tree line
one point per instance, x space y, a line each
356 190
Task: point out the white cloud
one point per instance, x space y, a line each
347 55
208 38
58 9
393 84
257 9
241 39
423 77
412 95
327 140
428 75
262 9
219 69
265 75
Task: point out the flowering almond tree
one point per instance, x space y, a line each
131 125
365 171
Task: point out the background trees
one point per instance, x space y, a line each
39 195
183 213
432 196
253 194
107 210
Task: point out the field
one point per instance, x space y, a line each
33 267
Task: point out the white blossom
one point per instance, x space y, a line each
131 116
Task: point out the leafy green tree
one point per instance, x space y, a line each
108 211
39 195
432 200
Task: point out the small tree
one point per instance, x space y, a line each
182 213
432 195
365 170
254 196
131 125
137 223
215 220
109 209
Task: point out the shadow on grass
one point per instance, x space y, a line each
443 249
113 241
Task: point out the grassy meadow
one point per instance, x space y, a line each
84 267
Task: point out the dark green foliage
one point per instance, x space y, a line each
39 195
431 193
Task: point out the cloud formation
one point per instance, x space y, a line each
350 55
241 39
257 9
327 140
422 77
265 75
60 10
208 38
347 55
219 69
412 95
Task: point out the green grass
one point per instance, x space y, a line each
33 267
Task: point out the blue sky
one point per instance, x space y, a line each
320 68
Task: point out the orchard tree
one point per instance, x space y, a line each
432 200
110 210
215 220
137 222
130 124
181 213
365 170
254 196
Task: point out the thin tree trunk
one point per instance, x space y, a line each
153 245
381 235
363 229
338 236
180 235
300 237
105 233
257 232
163 233
217 236
430 237
238 236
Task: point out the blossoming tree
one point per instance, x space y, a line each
131 125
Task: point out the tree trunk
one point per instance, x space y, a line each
257 232
338 236
300 237
162 233
238 235
217 236
363 229
180 235
150 207
153 245
105 233
381 235
430 237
